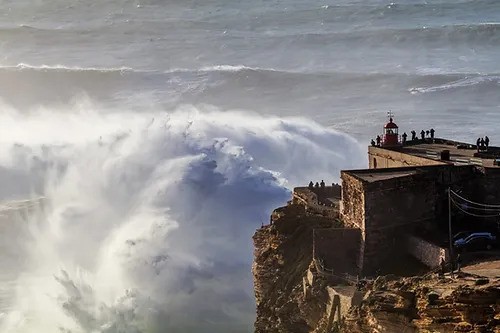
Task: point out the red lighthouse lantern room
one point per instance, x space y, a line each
391 137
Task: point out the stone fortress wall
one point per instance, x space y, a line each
394 202
389 211
338 249
384 158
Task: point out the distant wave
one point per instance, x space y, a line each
235 69
422 81
483 33
206 69
461 83
26 28
68 68
230 69
221 68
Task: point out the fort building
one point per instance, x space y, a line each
400 205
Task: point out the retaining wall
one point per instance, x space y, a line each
426 252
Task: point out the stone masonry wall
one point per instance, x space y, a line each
322 201
392 159
388 209
391 209
338 249
491 185
427 253
353 203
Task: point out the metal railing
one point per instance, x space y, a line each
458 160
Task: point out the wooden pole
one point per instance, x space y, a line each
314 246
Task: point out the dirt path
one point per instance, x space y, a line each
490 269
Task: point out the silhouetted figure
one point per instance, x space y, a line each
442 264
478 142
404 137
487 142
422 134
413 135
322 184
482 144
432 133
316 185
378 140
311 184
427 133
459 262
372 143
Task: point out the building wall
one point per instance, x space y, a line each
338 249
352 201
491 186
387 210
426 252
384 158
393 208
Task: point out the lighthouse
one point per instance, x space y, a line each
391 137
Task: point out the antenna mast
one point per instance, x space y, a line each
390 115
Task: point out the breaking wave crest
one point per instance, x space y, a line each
147 219
485 82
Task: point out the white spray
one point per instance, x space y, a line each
147 218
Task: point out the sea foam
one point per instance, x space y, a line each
147 218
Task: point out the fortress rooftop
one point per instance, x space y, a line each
459 153
371 175
426 152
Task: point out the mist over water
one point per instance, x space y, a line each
143 142
147 219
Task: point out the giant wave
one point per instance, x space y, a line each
147 218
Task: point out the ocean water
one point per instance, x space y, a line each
143 142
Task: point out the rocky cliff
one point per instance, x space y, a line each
283 254
466 303
294 296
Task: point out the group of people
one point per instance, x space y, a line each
317 185
404 136
423 135
482 144
379 140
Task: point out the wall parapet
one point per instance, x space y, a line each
323 201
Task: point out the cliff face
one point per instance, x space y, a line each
283 253
428 304
292 296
